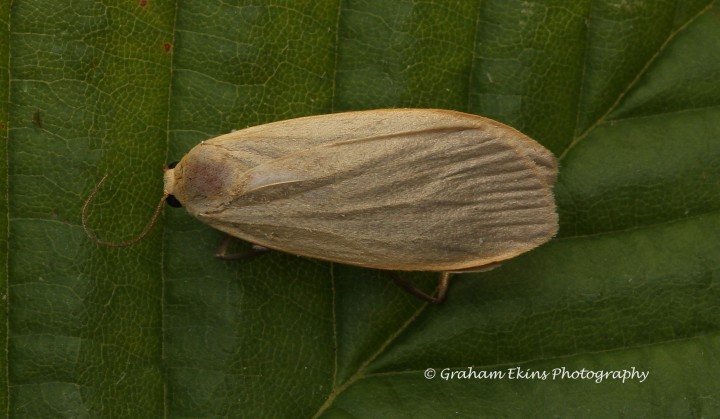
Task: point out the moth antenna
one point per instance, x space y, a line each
127 243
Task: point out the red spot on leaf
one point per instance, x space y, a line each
143 3
167 47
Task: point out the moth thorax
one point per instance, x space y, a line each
203 178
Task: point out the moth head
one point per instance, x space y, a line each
169 185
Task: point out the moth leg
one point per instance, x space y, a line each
481 268
222 251
442 288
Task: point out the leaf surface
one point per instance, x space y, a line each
625 93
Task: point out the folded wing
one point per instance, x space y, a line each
436 198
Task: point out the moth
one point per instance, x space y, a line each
391 189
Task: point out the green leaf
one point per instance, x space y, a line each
625 93
4 93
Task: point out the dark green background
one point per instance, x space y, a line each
626 93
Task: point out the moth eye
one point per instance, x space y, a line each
172 201
173 164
